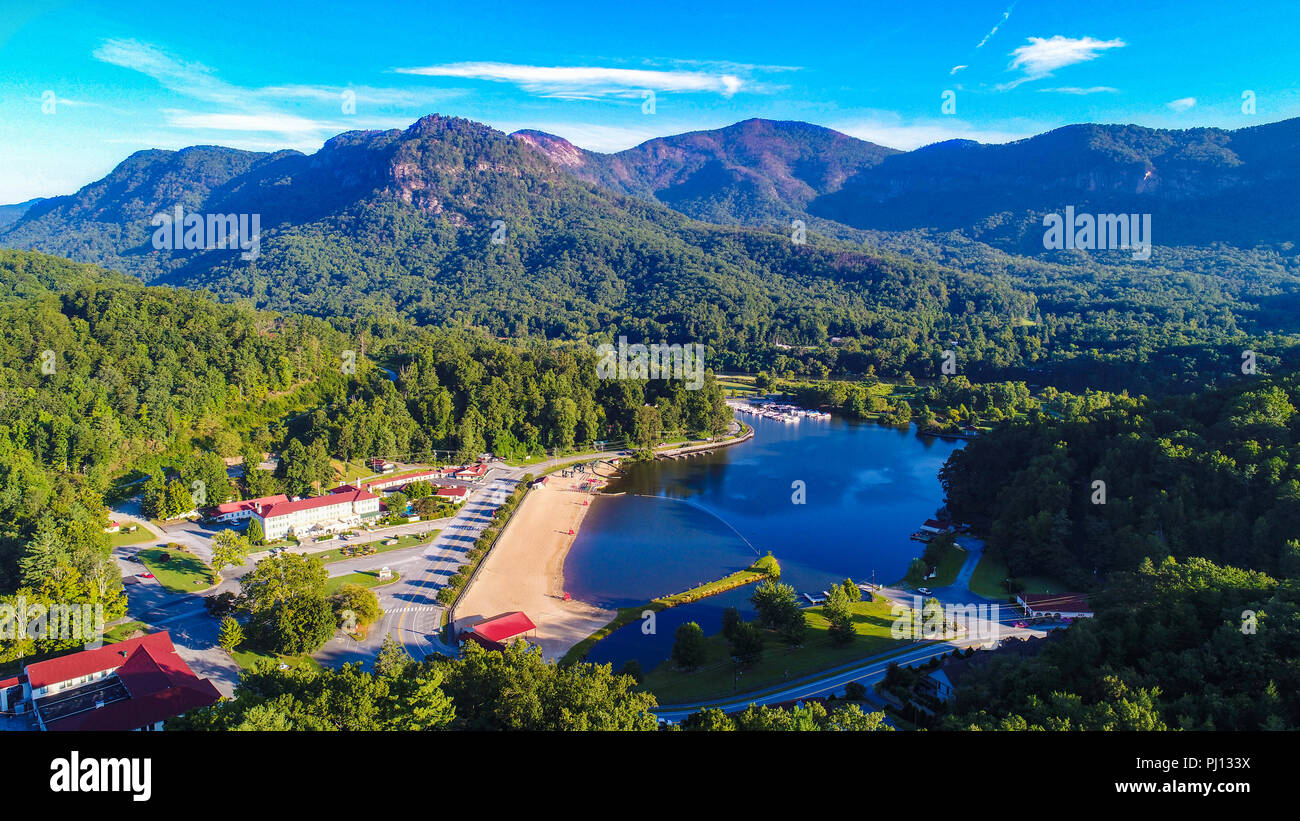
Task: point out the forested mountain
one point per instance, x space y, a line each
1201 186
107 222
753 172
452 223
105 380
1192 554
10 214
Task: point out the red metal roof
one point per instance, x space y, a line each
248 504
503 627
142 711
347 493
89 662
452 491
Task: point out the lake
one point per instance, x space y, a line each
682 522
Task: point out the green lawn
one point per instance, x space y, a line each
123 539
183 573
123 631
403 542
989 580
365 578
716 677
949 566
247 658
628 615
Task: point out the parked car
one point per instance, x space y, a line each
924 591
146 575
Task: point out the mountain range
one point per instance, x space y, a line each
689 237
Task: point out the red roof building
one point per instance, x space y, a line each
453 492
133 685
495 632
244 509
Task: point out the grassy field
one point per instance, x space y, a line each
183 573
124 539
247 658
990 574
737 385
717 678
949 566
365 578
123 631
403 542
628 615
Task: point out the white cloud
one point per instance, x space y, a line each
1006 15
1182 104
1081 91
586 80
889 129
261 110
1043 55
956 69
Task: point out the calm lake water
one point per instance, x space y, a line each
693 520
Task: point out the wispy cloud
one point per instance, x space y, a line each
260 110
1182 104
1081 91
1043 55
587 81
1006 15
889 129
956 69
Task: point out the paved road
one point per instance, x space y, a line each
982 629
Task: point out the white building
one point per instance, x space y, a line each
340 509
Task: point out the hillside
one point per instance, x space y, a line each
752 172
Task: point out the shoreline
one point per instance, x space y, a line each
524 571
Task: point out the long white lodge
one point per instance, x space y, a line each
340 509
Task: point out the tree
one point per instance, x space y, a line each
393 660
516 689
747 643
229 549
396 503
730 621
300 624
231 634
838 612
255 534
778 607
852 590
689 647
355 608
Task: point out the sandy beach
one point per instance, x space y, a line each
525 570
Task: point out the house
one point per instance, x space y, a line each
379 485
455 495
381 465
472 472
113 527
133 685
341 509
496 632
238 511
936 526
1055 605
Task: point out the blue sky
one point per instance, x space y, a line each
84 84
